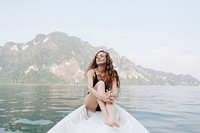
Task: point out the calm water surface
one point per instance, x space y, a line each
35 109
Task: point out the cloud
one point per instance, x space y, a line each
169 60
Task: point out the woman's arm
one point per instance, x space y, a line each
115 89
114 93
91 89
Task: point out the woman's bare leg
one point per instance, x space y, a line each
111 115
100 86
90 102
108 112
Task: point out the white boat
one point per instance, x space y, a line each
83 121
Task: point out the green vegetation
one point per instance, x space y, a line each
57 58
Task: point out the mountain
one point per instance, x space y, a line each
57 58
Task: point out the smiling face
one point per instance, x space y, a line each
101 58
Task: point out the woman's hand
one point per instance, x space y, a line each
108 97
112 97
105 97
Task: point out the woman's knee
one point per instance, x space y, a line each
100 84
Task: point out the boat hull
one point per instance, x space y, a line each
83 121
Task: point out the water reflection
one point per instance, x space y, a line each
35 109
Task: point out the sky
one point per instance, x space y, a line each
163 35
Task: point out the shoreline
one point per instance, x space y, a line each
86 85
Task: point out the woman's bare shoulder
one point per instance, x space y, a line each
91 71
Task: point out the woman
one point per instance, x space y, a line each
103 87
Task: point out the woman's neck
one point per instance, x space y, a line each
101 68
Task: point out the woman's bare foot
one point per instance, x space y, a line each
112 122
109 124
116 124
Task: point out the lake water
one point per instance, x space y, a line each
35 109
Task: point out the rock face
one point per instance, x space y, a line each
57 58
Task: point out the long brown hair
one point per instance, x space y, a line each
111 73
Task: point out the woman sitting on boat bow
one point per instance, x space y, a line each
103 87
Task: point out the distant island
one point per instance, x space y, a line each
57 58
